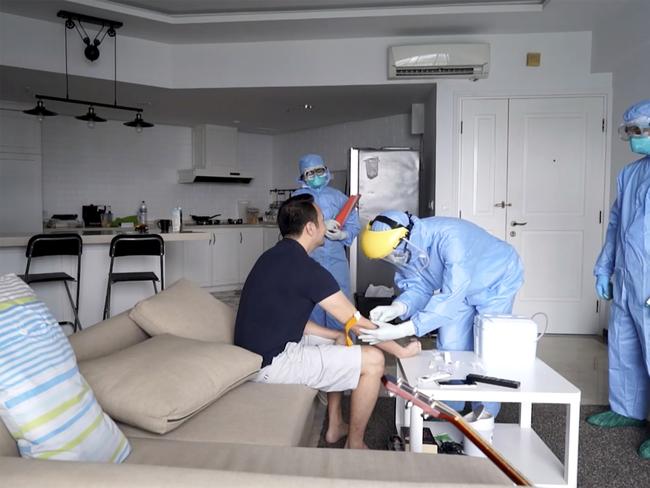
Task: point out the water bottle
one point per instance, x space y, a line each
177 219
142 213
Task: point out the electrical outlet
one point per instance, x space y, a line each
533 59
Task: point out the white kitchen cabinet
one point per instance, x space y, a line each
21 200
271 237
251 245
225 257
197 262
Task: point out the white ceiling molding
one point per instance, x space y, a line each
521 6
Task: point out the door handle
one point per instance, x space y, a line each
515 224
503 204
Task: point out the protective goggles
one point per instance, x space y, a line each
407 255
310 174
636 128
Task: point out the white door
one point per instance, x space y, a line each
553 202
484 164
556 170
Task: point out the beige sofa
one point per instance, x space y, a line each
255 434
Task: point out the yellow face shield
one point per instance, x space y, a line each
377 244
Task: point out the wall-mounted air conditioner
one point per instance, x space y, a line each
467 61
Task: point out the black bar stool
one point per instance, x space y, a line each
134 245
64 244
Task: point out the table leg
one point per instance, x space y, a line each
415 431
525 415
571 443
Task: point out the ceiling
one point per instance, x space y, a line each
277 110
256 110
208 21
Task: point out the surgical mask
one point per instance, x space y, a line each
317 181
640 145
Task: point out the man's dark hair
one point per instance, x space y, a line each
294 214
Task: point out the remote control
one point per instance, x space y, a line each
491 380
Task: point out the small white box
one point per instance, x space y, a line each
505 340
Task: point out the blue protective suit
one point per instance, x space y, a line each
332 254
474 271
625 258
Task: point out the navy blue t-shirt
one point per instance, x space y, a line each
278 297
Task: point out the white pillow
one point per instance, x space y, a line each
45 403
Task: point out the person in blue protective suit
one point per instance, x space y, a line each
474 271
315 178
623 275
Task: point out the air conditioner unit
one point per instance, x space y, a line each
467 61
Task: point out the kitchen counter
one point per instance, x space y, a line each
100 235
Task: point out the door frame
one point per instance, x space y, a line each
606 99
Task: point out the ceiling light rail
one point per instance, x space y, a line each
74 21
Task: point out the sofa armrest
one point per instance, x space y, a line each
106 337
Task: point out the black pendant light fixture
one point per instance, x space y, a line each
91 52
138 123
40 111
91 117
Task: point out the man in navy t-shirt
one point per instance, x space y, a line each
273 320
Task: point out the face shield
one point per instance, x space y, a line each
408 258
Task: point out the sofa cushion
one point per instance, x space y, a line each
160 383
106 337
252 413
45 403
186 310
359 464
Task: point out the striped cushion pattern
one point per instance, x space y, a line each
45 403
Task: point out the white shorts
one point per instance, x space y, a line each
315 362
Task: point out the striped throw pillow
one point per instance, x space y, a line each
45 403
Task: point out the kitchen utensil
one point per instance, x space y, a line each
164 225
203 219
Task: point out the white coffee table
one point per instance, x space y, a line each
517 442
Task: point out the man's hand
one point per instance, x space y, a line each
387 332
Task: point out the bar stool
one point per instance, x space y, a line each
134 245
64 244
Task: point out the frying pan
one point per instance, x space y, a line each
200 219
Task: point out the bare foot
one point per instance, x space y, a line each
335 432
363 445
413 349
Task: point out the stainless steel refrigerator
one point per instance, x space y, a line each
386 179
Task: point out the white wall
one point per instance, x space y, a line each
333 142
565 70
112 164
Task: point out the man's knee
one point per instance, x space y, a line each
372 360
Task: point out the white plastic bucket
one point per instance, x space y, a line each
484 425
506 340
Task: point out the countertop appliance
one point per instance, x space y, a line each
386 179
92 215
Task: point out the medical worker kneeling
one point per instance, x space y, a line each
625 260
474 271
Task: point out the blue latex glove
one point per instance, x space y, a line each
603 287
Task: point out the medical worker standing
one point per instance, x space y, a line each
315 178
474 271
623 274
